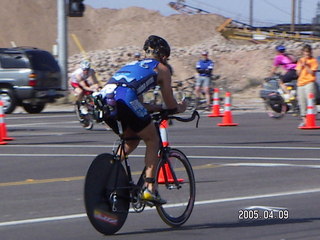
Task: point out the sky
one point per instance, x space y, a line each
265 12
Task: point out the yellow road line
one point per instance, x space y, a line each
79 178
38 181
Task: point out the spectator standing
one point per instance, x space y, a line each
204 67
306 69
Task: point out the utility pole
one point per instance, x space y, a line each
63 42
251 12
293 15
299 11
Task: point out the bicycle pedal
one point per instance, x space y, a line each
150 204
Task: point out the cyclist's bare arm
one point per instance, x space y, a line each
273 70
152 107
83 84
95 81
164 80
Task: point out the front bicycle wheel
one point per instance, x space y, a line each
176 184
276 109
106 194
83 115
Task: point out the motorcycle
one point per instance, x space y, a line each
272 95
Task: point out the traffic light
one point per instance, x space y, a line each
76 8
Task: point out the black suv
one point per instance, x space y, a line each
29 77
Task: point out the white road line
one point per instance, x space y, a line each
281 194
255 158
222 200
39 220
139 156
26 116
42 124
175 146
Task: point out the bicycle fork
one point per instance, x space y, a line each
167 175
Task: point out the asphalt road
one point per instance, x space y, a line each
262 164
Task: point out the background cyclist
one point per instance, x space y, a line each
84 79
288 64
126 87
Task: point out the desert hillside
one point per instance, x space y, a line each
110 36
34 24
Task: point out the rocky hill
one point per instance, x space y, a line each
110 36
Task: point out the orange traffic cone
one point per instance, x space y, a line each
165 175
227 117
2 133
216 105
311 116
3 128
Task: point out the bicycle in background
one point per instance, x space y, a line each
185 90
86 111
110 188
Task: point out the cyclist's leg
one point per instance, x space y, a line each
206 88
150 136
80 94
197 90
134 116
131 144
76 90
286 78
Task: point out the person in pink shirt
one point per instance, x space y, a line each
288 64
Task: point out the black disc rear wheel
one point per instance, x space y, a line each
106 194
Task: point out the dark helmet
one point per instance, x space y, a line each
281 48
158 45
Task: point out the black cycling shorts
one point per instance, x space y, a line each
130 112
290 76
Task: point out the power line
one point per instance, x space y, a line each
245 18
215 7
275 7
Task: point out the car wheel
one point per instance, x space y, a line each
33 108
8 99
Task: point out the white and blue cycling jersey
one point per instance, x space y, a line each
138 75
124 88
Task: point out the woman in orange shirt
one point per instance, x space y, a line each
306 70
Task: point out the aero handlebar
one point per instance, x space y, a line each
165 115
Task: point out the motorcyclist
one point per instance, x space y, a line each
288 64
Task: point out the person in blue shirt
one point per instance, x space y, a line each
204 67
125 92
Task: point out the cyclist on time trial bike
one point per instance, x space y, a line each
84 79
288 64
124 90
